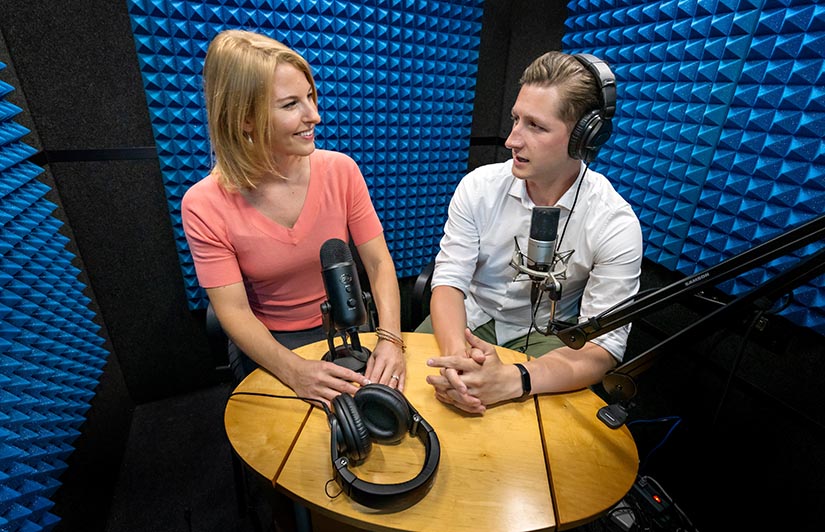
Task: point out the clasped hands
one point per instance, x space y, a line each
474 380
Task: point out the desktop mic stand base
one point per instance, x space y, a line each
352 357
349 358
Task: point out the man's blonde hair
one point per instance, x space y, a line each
237 82
576 85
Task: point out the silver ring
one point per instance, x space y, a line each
396 377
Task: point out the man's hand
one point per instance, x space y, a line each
481 378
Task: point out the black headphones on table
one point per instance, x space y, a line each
381 414
594 128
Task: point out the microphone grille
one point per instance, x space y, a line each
335 251
544 224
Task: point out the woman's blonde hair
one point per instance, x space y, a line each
577 86
237 83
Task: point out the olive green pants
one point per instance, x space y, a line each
537 346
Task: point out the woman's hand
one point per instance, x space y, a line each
318 379
387 365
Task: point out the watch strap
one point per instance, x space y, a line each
526 385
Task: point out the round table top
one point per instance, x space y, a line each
546 463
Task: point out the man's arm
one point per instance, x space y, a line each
455 267
485 380
449 320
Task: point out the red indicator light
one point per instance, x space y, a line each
657 499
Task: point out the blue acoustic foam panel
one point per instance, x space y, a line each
51 356
396 82
718 133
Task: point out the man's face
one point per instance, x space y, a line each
538 140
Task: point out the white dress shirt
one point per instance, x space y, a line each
490 207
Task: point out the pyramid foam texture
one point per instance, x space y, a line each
718 139
51 355
396 82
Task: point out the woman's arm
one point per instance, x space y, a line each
387 364
308 378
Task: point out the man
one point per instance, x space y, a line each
560 118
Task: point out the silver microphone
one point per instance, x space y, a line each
541 246
542 264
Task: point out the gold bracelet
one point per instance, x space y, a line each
390 337
384 334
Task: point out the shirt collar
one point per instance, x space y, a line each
518 190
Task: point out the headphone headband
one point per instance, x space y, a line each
604 79
594 128
386 497
391 497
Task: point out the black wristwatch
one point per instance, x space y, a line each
526 386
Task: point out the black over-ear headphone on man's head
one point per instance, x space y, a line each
594 128
378 412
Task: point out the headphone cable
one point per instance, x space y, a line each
308 399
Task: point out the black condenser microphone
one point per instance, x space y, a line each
342 286
541 246
346 306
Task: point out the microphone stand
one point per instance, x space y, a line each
544 279
619 383
344 350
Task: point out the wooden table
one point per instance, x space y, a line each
542 464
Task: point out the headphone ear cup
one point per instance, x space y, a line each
384 411
356 437
582 135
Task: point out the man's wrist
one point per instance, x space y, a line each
525 384
454 346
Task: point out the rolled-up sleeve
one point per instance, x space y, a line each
615 274
456 261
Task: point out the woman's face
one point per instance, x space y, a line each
293 113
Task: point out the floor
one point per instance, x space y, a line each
177 473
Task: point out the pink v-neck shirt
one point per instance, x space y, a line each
280 267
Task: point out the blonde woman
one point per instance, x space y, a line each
256 223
